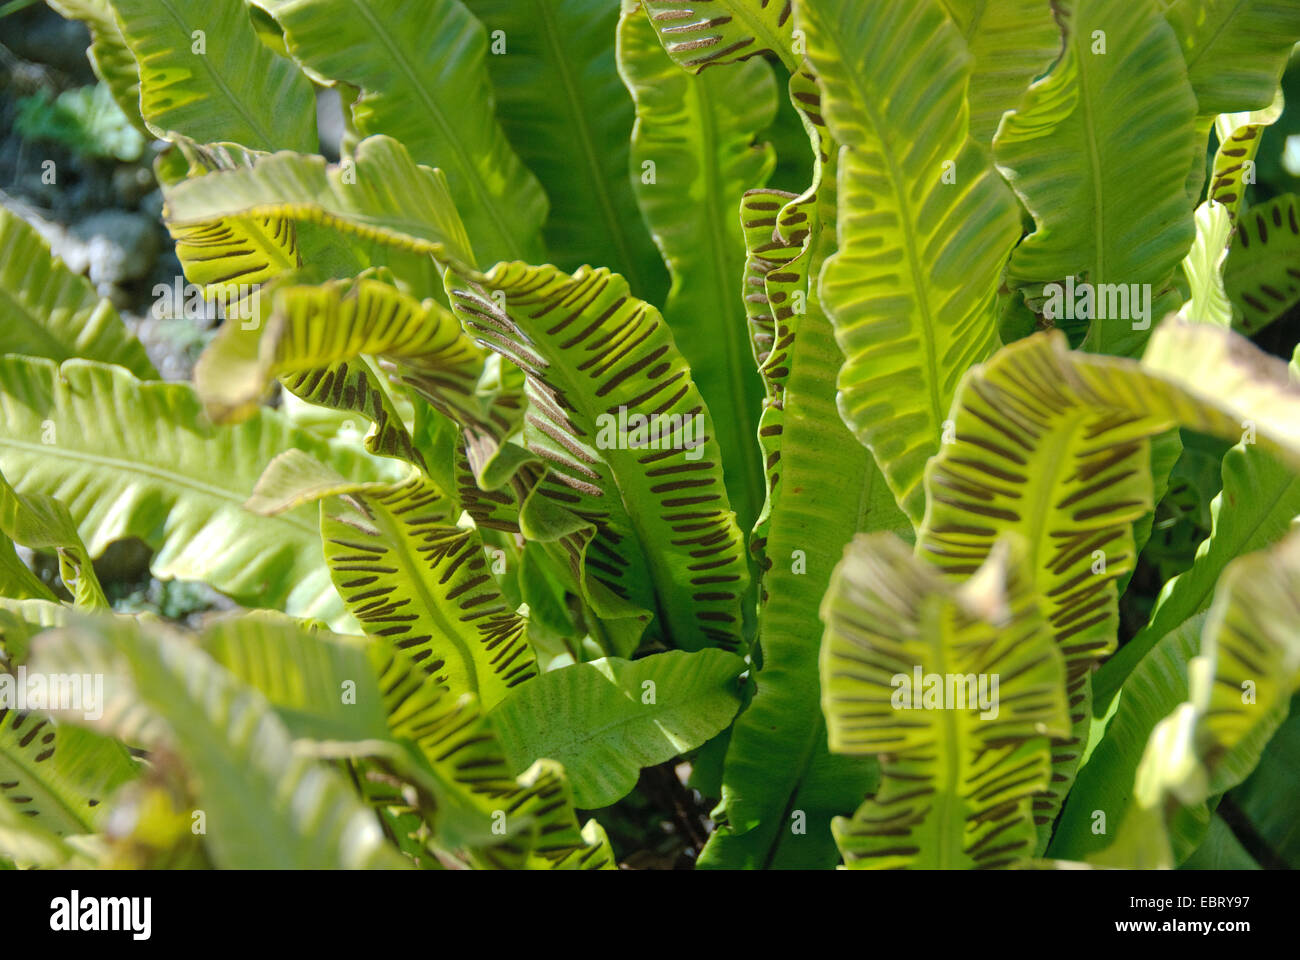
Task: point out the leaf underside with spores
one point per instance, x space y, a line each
403 723
1053 445
707 33
564 434
364 202
957 781
408 573
1262 273
694 154
296 328
1258 500
1239 137
57 776
661 533
1239 690
822 487
894 77
267 805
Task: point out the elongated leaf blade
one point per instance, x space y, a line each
46 310
385 197
606 720
229 257
1069 147
131 459
565 109
266 805
706 33
1239 693
205 76
664 536
408 573
781 786
1054 445
958 776
298 328
693 158
894 78
1011 43
424 81
1239 138
1236 50
1258 504
1203 267
1154 688
374 699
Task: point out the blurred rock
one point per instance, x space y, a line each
45 564
124 561
329 122
119 246
151 204
38 33
131 183
120 299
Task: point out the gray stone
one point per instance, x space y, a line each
131 182
120 246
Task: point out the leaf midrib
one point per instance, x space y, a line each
948 797
267 140
386 227
1097 269
596 183
402 549
56 349
626 475
168 478
16 760
467 167
737 360
906 220
1041 490
761 32
1213 38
